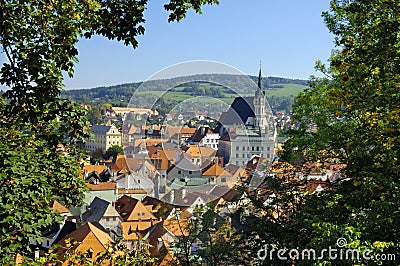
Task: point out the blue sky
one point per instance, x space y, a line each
288 36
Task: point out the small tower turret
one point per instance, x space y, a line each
259 106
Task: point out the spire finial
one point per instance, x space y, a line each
260 78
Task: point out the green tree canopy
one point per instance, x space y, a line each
38 39
352 116
113 151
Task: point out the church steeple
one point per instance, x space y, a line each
260 79
259 103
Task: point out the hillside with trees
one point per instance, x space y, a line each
279 91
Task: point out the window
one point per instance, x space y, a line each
258 148
114 219
252 148
179 172
107 219
190 172
243 155
223 179
268 148
244 148
237 148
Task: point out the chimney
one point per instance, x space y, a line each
37 255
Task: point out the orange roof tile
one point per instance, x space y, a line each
59 207
187 131
131 229
179 227
126 164
215 170
90 238
123 191
102 186
98 168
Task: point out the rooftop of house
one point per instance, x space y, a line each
60 208
132 209
215 170
98 209
91 168
185 164
187 131
200 133
89 236
102 186
101 129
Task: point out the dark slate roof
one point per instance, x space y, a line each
125 205
185 164
68 227
100 129
175 198
241 109
52 231
200 133
164 209
98 208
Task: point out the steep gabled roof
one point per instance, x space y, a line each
200 133
132 209
160 208
99 208
60 208
240 110
193 150
214 170
89 236
126 164
185 164
132 230
91 168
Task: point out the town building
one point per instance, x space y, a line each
104 137
247 129
204 136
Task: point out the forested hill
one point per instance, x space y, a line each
280 91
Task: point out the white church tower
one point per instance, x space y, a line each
260 112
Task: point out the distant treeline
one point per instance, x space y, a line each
202 85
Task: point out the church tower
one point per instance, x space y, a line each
259 103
